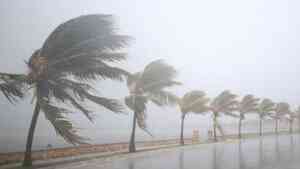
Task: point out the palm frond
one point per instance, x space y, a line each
163 98
266 107
156 76
80 90
10 76
110 104
282 108
225 102
12 85
136 103
194 101
104 56
12 91
62 126
84 34
62 93
248 104
95 71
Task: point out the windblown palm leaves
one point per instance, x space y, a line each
149 85
247 105
224 103
280 110
192 102
10 87
75 53
264 109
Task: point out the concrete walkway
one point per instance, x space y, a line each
103 156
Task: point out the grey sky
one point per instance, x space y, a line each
245 46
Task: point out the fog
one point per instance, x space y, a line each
249 47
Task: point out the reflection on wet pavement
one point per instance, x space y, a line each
271 152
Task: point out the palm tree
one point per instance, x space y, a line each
76 53
224 103
291 117
248 105
281 109
264 109
149 85
194 101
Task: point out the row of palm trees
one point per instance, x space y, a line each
228 104
83 50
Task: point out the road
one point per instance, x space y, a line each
271 152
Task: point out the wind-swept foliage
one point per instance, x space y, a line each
280 110
224 103
149 85
192 102
264 109
11 86
247 105
76 53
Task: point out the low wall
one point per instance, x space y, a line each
7 158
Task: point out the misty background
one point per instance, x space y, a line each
249 47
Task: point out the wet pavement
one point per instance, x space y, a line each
270 152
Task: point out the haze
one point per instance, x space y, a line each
245 46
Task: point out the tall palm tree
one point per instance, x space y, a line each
194 101
224 103
280 110
265 108
247 105
76 53
149 85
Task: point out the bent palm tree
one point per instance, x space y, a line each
280 110
194 101
149 85
264 109
75 53
247 105
224 103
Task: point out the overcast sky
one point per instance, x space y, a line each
249 47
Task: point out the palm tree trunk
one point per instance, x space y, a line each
27 158
276 126
132 138
260 126
182 128
240 128
291 126
215 127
